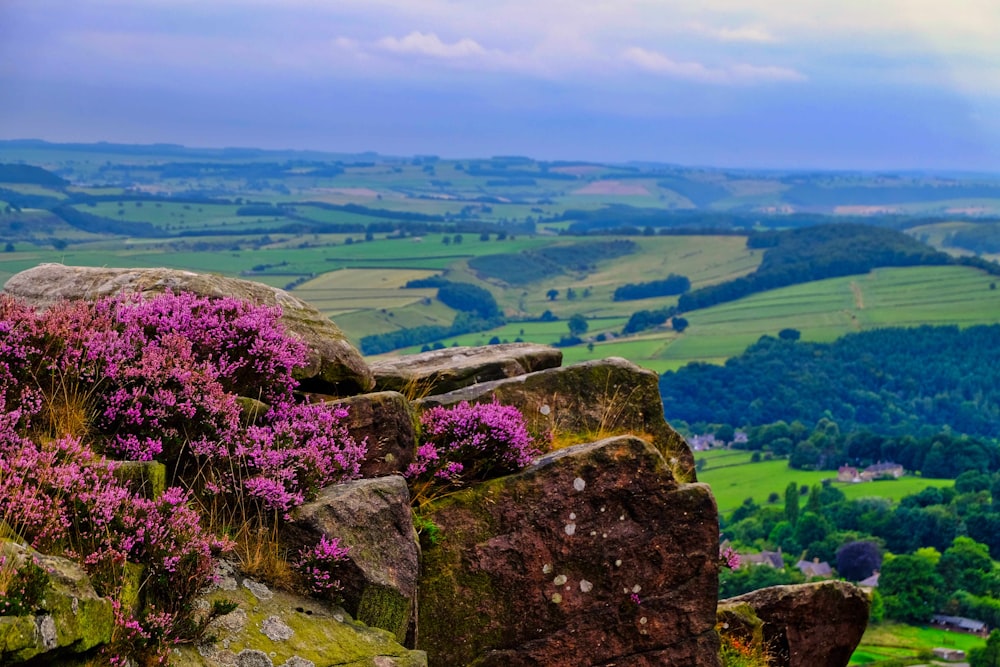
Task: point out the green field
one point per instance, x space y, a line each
733 479
821 310
894 640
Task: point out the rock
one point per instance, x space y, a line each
334 366
589 401
440 371
386 419
809 625
372 517
594 555
71 618
287 630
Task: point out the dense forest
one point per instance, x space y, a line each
894 380
669 286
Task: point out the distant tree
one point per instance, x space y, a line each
9 247
858 560
773 497
791 503
494 341
965 565
679 324
986 656
577 325
811 527
547 316
369 235
456 239
570 294
590 346
485 236
446 239
910 588
552 294
725 433
789 334
876 612
783 537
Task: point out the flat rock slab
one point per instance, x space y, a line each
809 625
334 365
586 402
280 629
440 371
594 555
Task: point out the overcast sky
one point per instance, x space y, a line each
866 84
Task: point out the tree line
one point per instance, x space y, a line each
890 381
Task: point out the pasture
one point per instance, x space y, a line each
889 641
734 478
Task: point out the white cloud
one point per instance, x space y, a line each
653 61
429 44
747 33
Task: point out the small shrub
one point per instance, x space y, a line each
737 652
320 564
21 586
468 442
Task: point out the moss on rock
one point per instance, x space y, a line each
311 630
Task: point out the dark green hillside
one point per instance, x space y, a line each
888 380
28 174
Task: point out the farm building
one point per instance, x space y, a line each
961 624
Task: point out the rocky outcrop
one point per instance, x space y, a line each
276 628
372 517
586 401
808 625
594 555
385 420
440 371
334 366
70 618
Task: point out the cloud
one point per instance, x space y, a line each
657 63
429 44
747 33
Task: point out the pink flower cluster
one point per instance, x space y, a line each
319 565
161 377
729 558
472 442
156 378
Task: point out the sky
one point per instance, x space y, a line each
786 84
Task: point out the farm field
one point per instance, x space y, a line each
887 641
734 478
821 310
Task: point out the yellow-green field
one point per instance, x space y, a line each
821 310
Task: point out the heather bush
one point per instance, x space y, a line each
468 442
157 379
319 565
